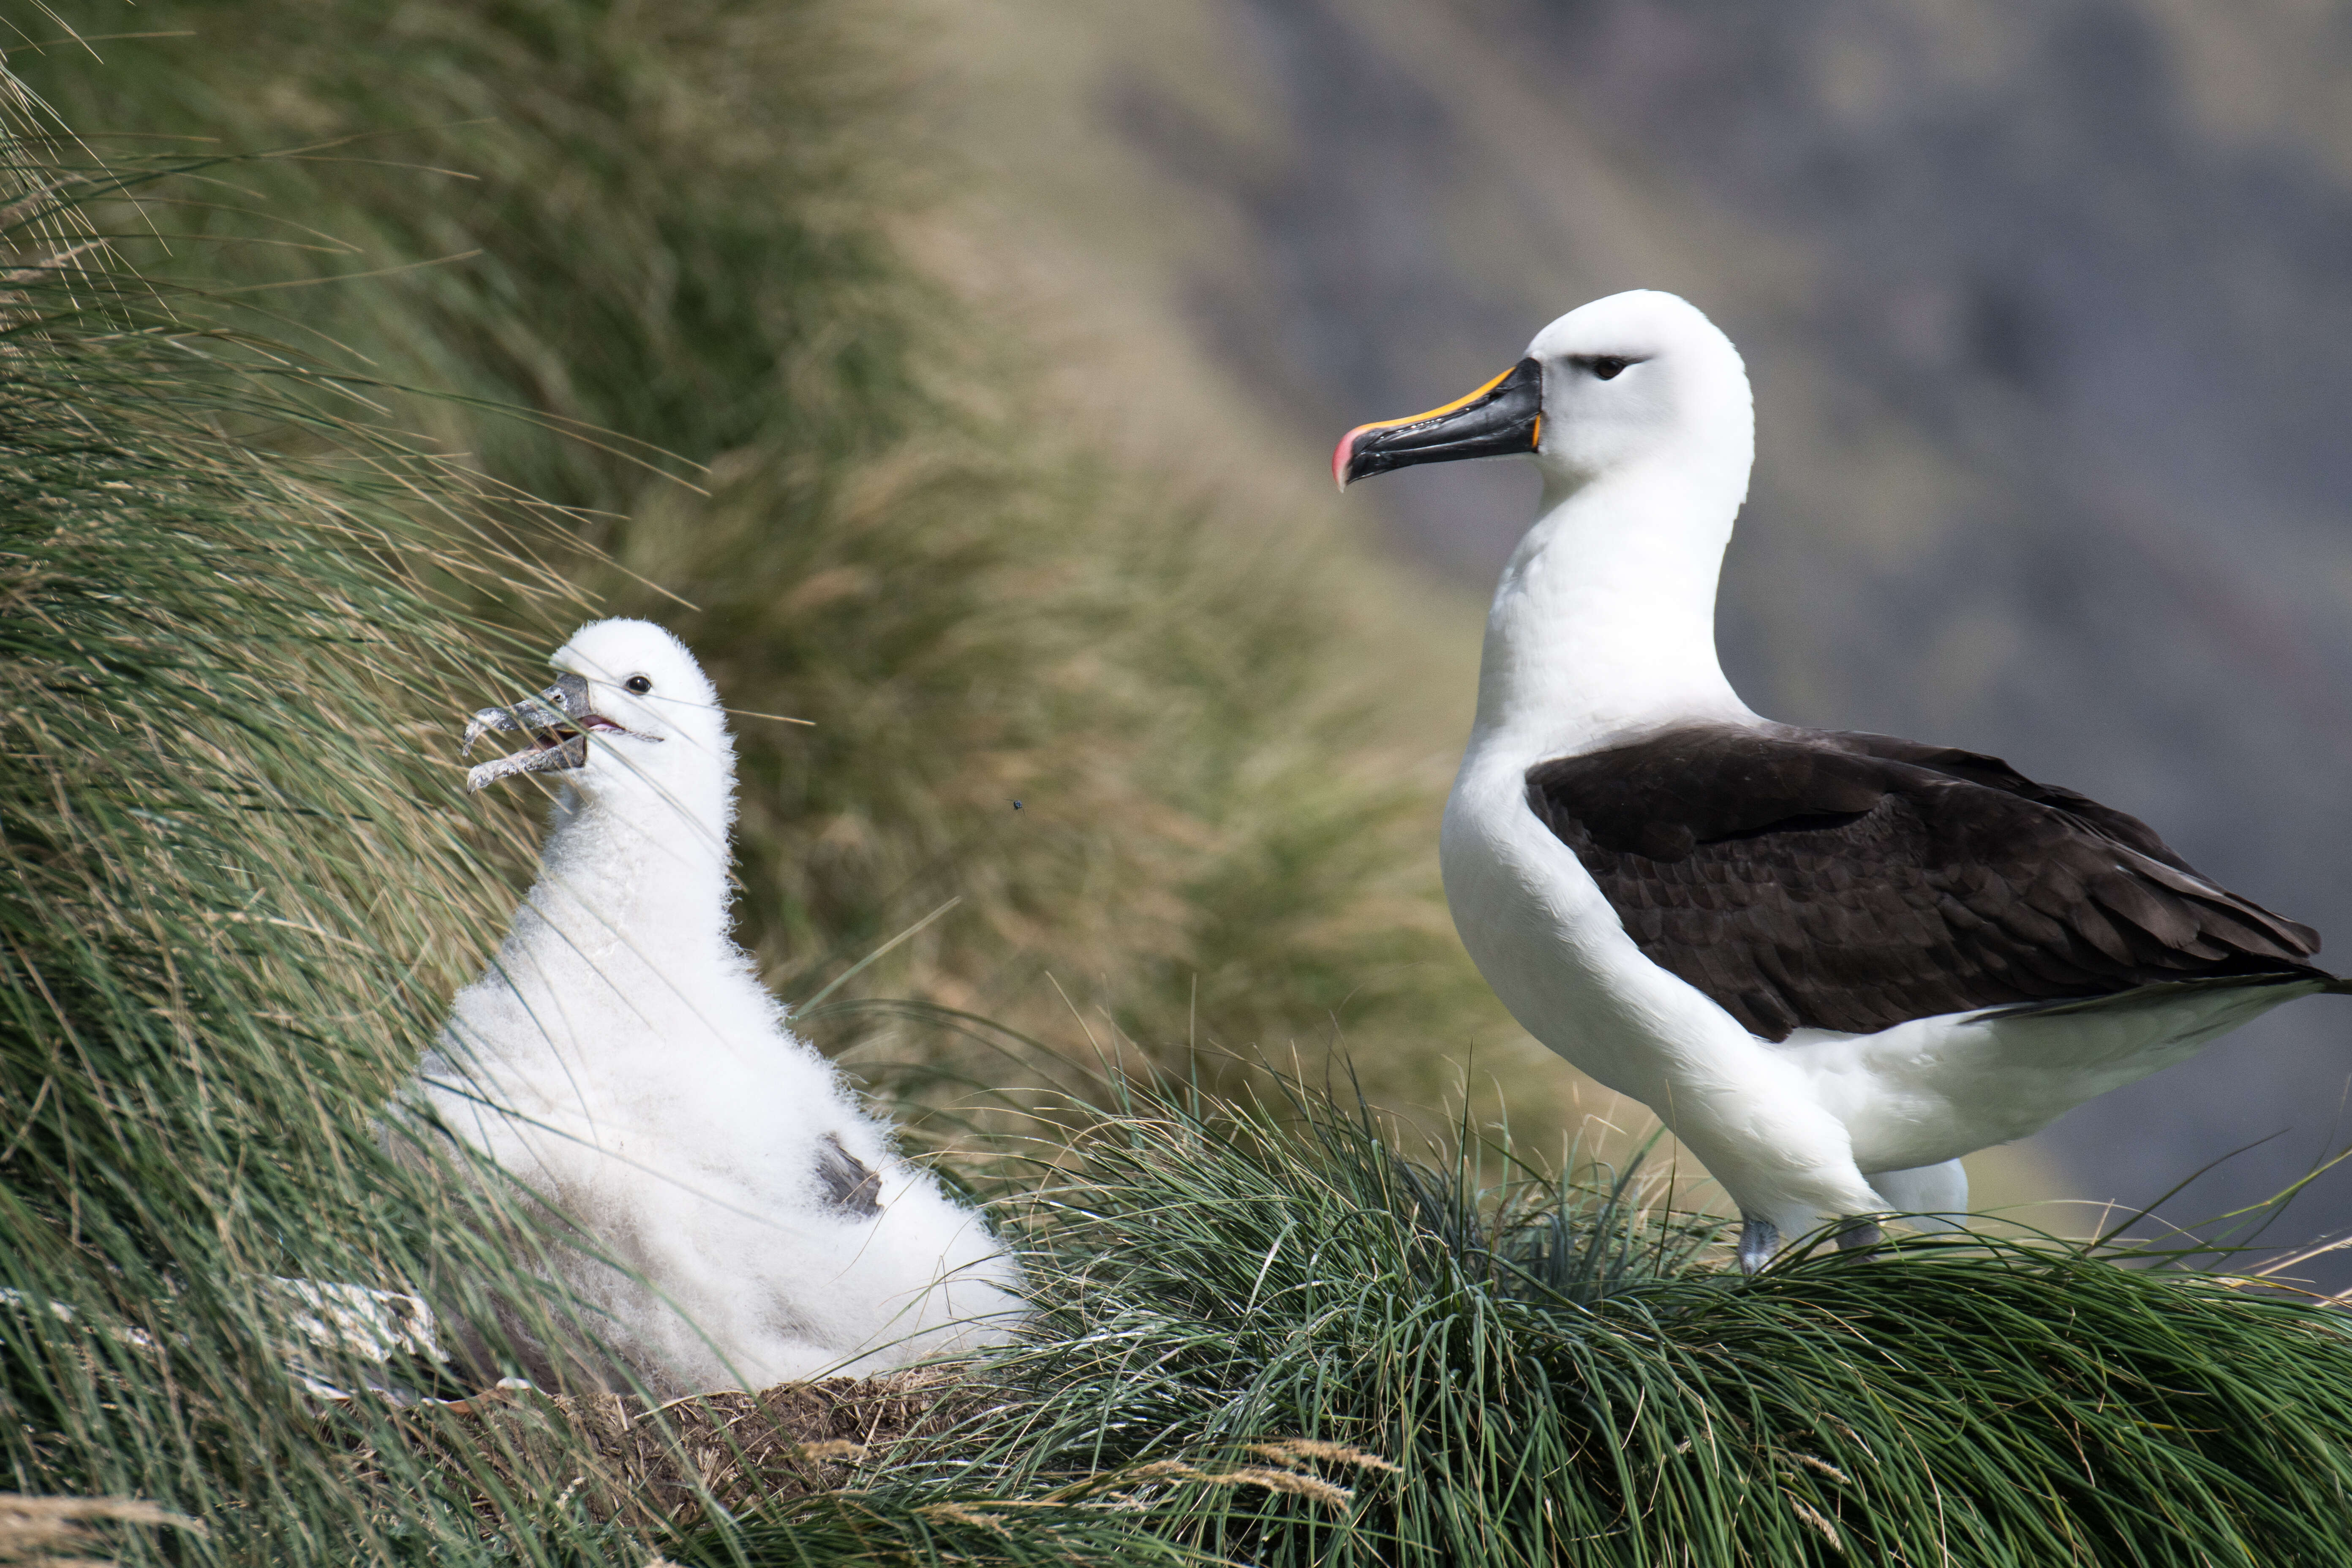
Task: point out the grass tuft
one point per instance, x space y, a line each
56 1533
239 884
1282 1340
840 484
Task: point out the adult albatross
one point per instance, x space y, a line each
1833 963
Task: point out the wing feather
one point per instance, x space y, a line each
1808 879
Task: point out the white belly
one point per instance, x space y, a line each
1547 939
1794 1124
1936 1088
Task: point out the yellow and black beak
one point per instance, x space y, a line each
1503 416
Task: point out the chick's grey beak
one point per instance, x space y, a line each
560 719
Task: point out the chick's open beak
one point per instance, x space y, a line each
1503 416
560 717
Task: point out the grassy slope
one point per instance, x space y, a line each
1295 1348
1292 1348
669 230
236 892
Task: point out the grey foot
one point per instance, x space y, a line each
1758 1239
1859 1235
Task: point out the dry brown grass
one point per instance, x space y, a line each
63 1531
647 1466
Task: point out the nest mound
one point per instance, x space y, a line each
643 1465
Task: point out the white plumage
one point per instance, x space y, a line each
1673 892
622 1060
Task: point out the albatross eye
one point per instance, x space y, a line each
638 684
1607 366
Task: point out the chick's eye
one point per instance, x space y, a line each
638 684
1609 366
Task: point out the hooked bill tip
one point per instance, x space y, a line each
1342 454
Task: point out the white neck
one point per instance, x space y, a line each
640 865
1603 624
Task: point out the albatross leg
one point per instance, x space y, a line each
1929 1197
1758 1239
1859 1235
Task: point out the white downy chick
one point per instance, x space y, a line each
622 1060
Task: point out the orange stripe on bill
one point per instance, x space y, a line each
1504 416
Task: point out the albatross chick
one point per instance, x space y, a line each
1833 963
622 1061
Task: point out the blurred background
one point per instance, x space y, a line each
2051 338
986 360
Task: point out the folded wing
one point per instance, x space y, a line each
1819 880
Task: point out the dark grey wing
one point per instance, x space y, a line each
1976 767
851 1186
1807 880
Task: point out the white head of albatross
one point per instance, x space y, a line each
1831 962
633 686
621 1058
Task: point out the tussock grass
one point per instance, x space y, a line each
59 1532
899 1529
1494 1367
237 891
241 886
674 1466
676 223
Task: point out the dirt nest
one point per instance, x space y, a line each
643 1465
